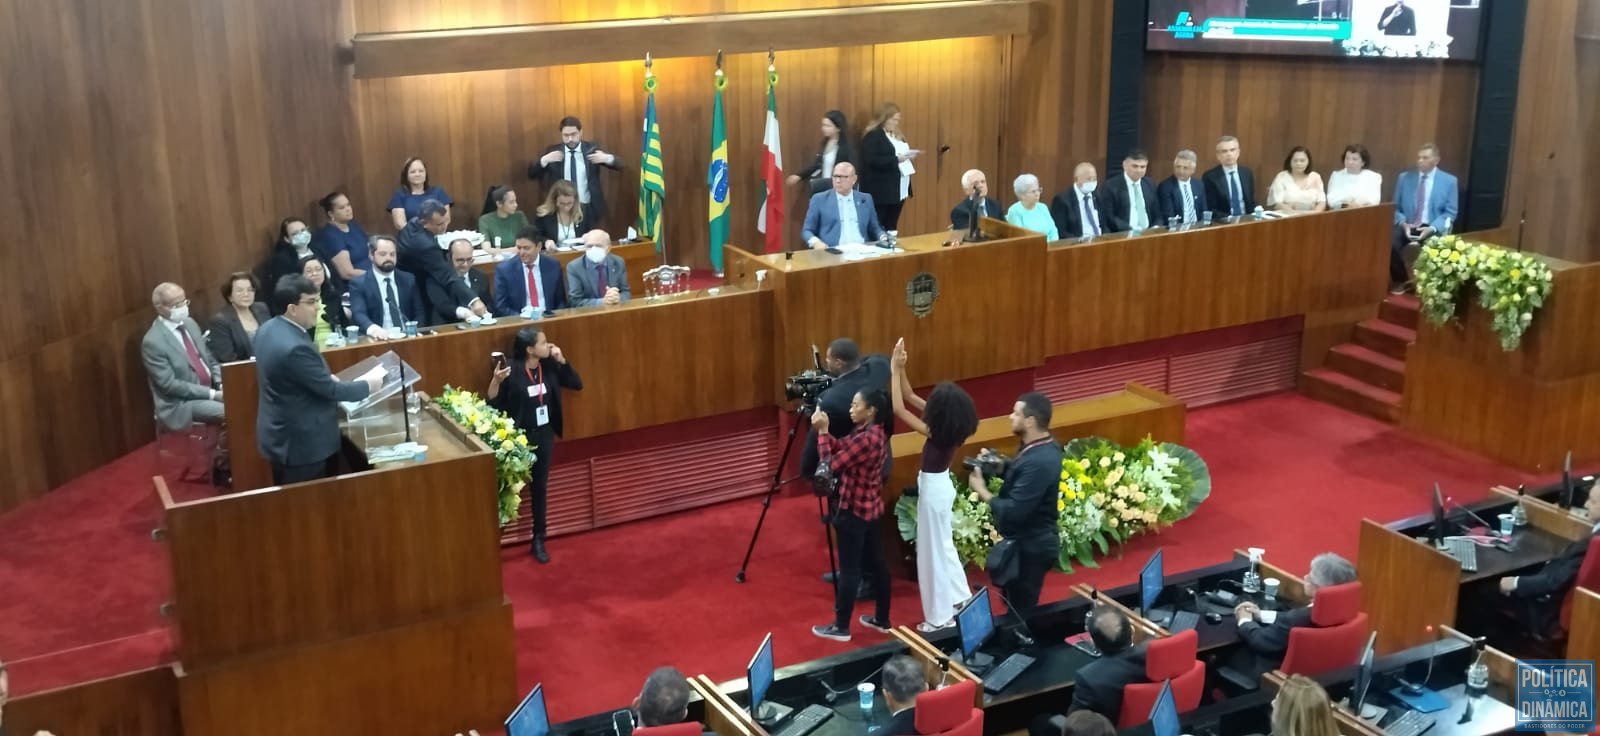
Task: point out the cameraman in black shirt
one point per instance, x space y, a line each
1025 508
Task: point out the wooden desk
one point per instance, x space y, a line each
143 703
1407 586
636 257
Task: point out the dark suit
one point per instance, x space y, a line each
1265 645
1557 575
228 340
1217 190
551 230
583 280
444 306
511 286
552 173
1098 684
1117 203
421 256
297 417
367 302
513 399
903 723
872 372
822 218
1025 511
1404 24
961 214
1066 208
1170 197
880 177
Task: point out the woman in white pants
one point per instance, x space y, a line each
948 419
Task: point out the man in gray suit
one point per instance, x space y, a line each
598 277
185 381
297 417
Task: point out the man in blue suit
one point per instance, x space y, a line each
842 215
1181 195
1425 203
297 416
529 274
384 299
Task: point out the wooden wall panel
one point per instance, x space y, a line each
1272 104
143 703
1057 102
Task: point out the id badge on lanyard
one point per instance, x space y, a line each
536 390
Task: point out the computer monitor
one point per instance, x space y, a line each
530 718
975 622
1358 694
760 674
1438 516
1150 581
1164 714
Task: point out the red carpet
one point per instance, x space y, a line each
83 580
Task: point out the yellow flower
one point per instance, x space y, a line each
1515 272
1064 475
472 418
500 433
506 444
522 440
1071 496
1061 505
1455 255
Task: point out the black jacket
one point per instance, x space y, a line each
552 173
1098 684
903 723
228 340
1064 207
880 168
421 256
514 400
1026 506
872 373
1557 575
1265 645
1117 203
443 304
819 180
961 214
1216 182
551 229
1170 194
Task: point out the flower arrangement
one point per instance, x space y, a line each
1512 286
1107 493
513 455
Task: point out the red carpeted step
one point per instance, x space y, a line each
1401 309
1385 337
1368 366
1351 393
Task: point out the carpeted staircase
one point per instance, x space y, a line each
1367 376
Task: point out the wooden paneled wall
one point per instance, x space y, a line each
152 140
1272 104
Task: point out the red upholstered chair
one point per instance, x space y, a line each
1588 577
1168 658
689 728
948 711
1339 629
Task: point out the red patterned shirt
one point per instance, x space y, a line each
857 462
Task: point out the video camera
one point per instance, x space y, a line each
988 462
807 385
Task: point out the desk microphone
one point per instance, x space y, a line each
1486 525
1416 688
1022 621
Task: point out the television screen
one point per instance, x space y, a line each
1394 29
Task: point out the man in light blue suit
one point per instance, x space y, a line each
842 215
1425 203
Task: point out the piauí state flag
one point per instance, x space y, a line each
770 221
652 175
717 177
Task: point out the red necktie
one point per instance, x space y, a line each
533 294
600 271
195 362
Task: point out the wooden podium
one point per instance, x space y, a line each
370 601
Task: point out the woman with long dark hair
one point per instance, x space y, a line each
856 461
835 148
501 220
334 315
414 189
293 243
528 388
948 418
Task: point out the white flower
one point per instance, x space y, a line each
1105 462
1527 317
1118 456
973 497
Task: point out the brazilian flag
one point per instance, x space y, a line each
717 176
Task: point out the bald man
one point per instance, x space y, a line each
1079 210
841 215
973 182
598 278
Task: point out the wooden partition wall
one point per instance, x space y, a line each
1583 639
1407 586
143 703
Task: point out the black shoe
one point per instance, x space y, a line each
874 624
538 551
831 631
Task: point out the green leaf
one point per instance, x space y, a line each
1064 560
905 513
1086 557
1100 541
1195 471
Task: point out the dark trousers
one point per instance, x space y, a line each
1398 240
860 548
1036 557
283 475
888 214
544 439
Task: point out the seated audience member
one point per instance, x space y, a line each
383 299
334 315
578 161
598 277
406 203
529 283
1355 185
294 243
1265 644
1230 187
1076 723
1425 202
341 242
974 185
185 380
1556 577
423 256
1297 188
664 699
1302 708
841 215
1098 685
233 330
446 310
501 220
560 218
1181 195
1028 211
1130 199
902 681
1077 209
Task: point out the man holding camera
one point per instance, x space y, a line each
852 373
1025 508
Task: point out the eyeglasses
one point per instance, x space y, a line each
843 176
314 302
183 303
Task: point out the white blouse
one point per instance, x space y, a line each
1364 188
906 169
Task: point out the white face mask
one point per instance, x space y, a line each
1088 186
595 254
178 314
300 239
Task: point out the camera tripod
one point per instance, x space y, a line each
802 415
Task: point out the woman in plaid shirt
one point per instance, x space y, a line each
857 464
